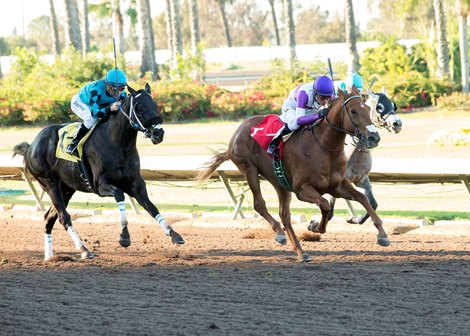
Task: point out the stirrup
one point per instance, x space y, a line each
71 150
274 151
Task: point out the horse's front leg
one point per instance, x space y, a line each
139 192
308 193
106 189
347 191
365 184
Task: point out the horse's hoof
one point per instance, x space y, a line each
352 220
383 241
124 242
313 226
281 239
176 238
305 258
125 237
86 254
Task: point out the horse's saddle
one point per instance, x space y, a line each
66 135
264 132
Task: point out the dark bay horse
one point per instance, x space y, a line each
359 164
314 163
113 162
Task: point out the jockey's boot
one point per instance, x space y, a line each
72 148
273 148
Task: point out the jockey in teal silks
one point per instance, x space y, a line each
305 100
95 101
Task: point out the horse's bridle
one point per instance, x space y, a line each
356 133
134 120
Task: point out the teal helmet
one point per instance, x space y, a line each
355 79
116 77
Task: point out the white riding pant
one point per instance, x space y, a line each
83 111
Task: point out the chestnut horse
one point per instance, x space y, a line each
314 163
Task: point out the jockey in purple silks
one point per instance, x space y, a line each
306 100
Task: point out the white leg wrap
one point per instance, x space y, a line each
76 239
122 213
163 224
47 246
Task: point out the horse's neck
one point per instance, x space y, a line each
121 132
329 133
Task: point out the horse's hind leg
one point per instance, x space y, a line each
259 204
60 197
285 214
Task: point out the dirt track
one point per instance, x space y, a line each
232 281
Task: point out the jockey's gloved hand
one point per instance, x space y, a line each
323 112
115 106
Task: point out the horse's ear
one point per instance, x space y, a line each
147 88
341 93
131 90
355 90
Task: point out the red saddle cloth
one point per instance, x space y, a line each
264 132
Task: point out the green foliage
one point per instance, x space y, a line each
405 76
36 92
183 99
457 101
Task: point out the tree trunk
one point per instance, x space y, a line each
351 37
72 31
169 33
223 15
276 28
176 30
463 40
54 29
85 28
442 44
290 32
147 44
194 23
118 26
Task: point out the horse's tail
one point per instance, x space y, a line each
212 165
21 148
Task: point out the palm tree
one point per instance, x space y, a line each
176 32
463 7
169 32
72 25
194 24
223 15
85 28
351 37
147 44
290 31
54 29
118 26
442 44
276 28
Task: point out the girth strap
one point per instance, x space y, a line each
281 174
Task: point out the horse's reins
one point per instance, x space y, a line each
342 130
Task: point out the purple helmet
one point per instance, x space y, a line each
324 86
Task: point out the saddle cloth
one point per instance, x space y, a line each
264 132
66 135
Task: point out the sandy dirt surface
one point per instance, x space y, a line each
231 278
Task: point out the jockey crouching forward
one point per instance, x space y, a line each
96 100
304 100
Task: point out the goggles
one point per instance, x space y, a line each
321 98
119 88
